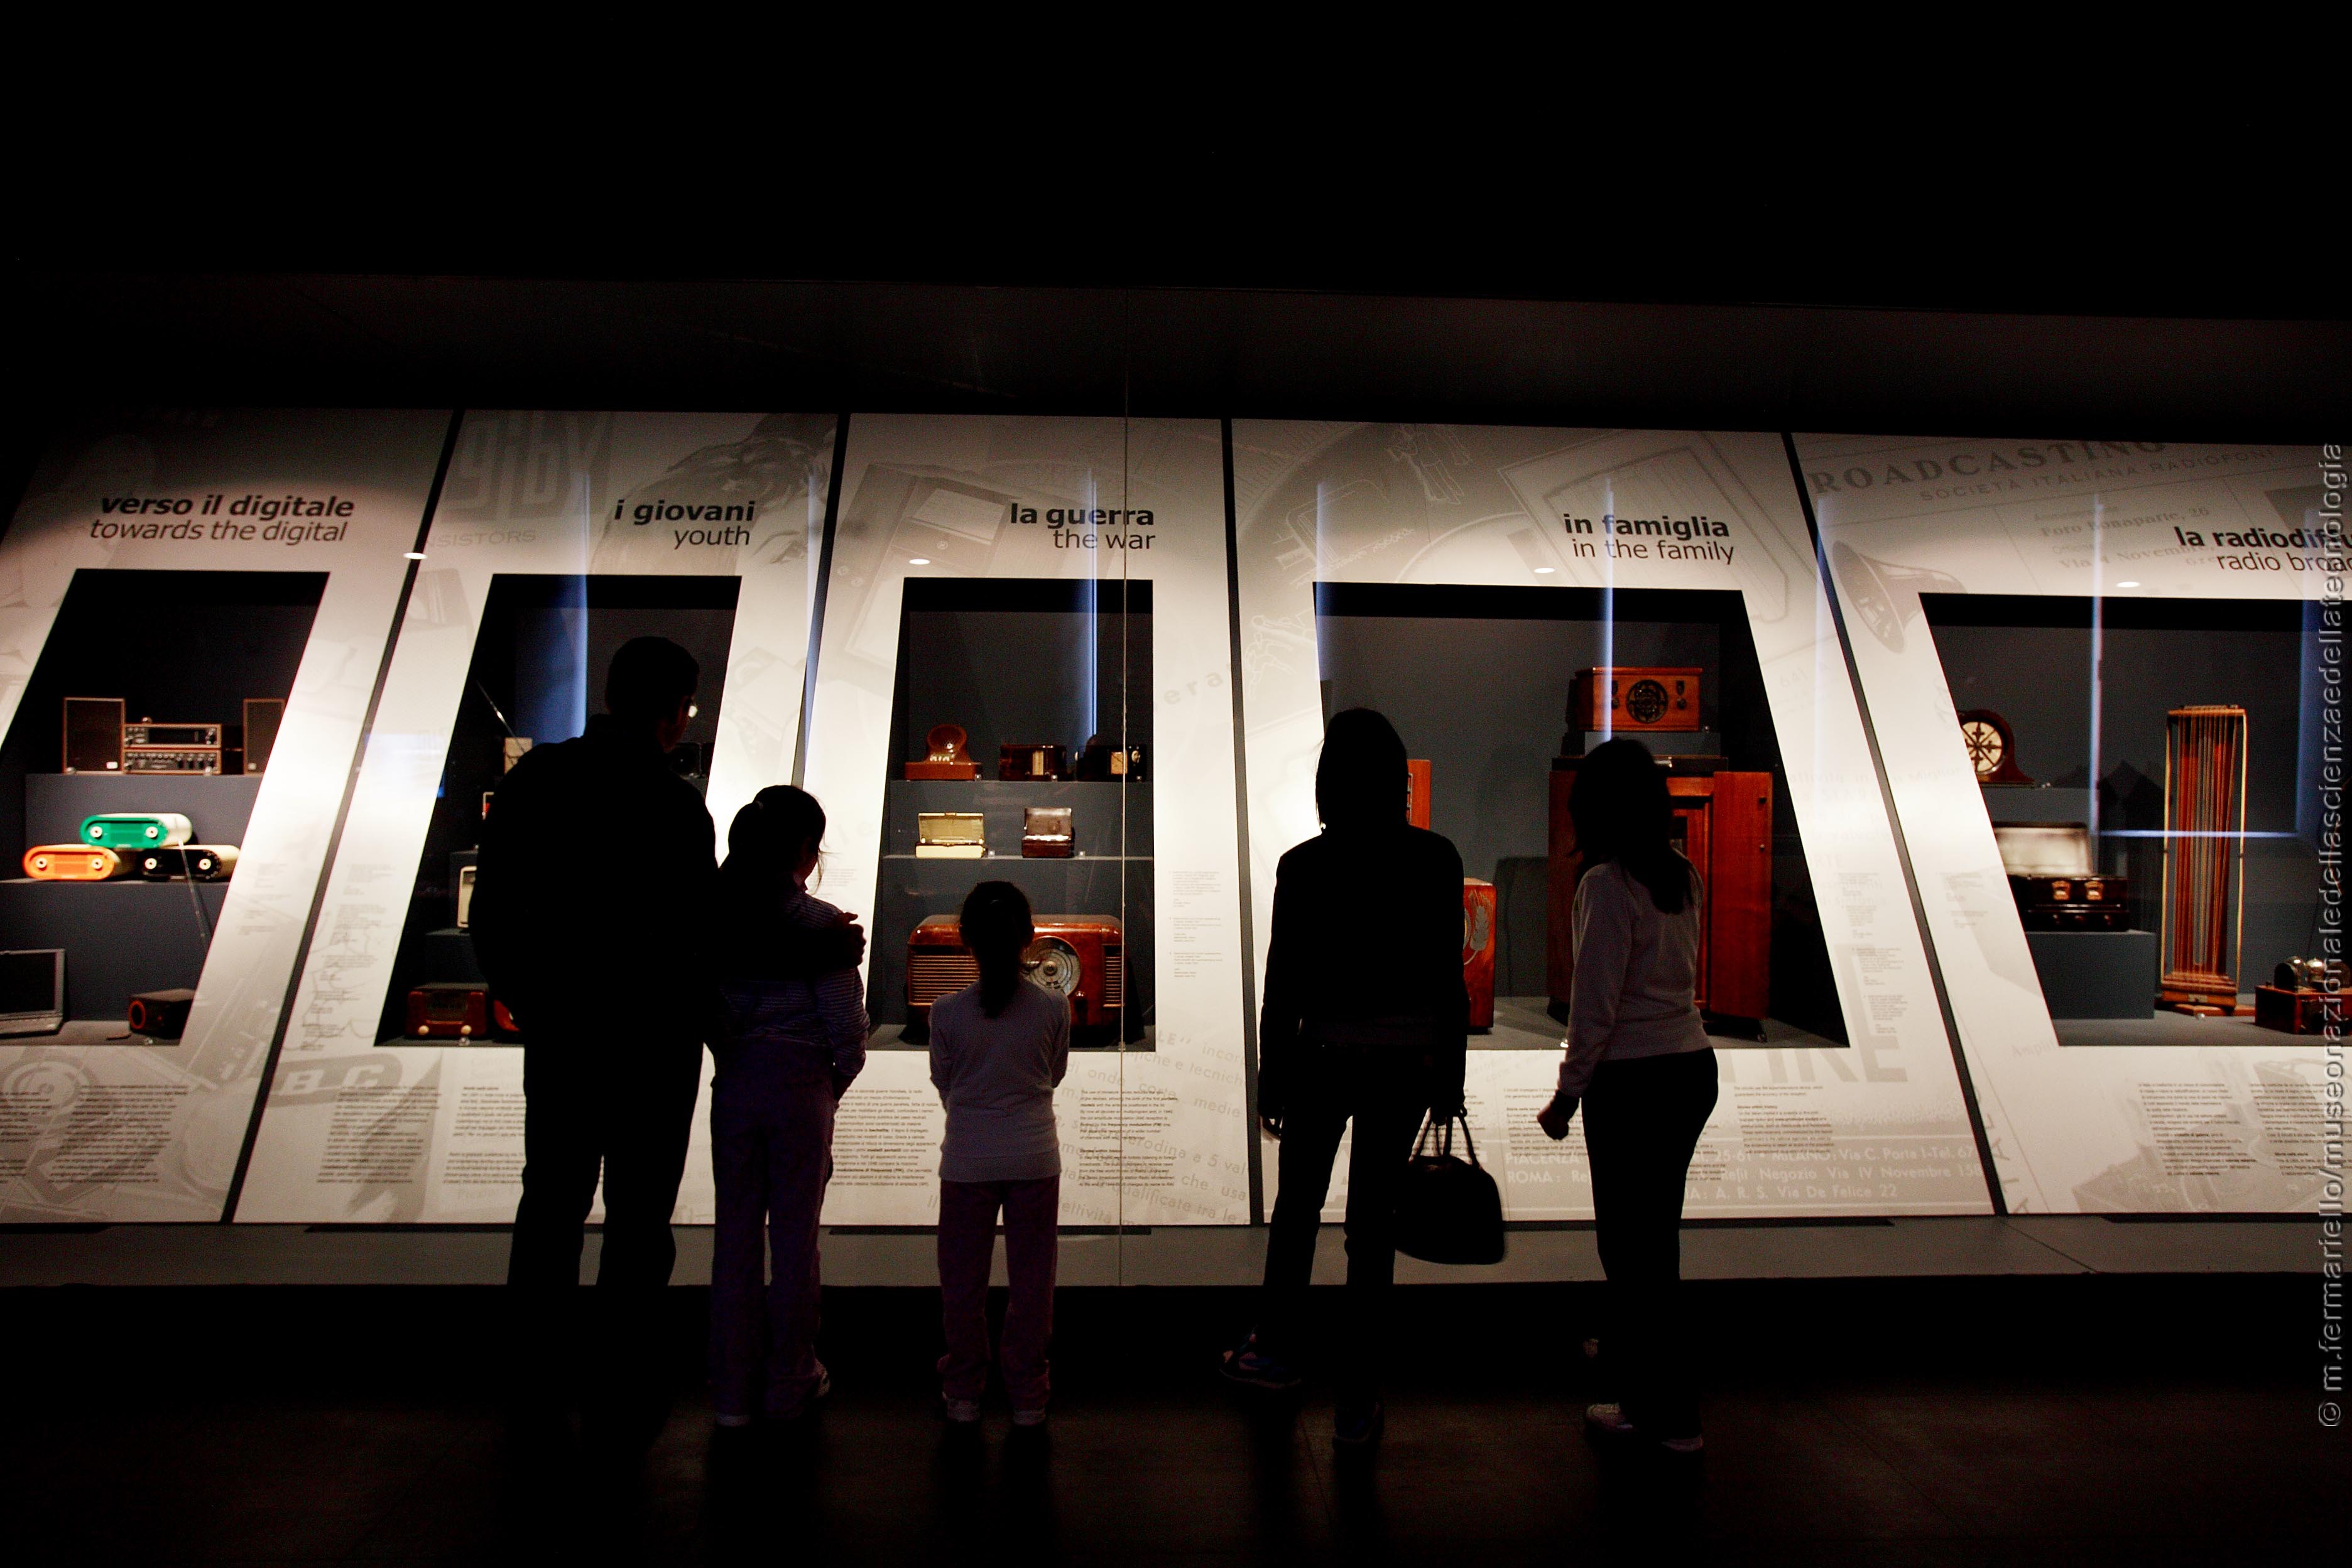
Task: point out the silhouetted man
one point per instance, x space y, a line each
594 890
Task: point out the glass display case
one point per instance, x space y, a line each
128 779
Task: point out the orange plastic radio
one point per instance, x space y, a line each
1082 957
74 863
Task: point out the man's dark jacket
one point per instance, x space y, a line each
595 892
1367 932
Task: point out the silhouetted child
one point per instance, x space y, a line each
998 1049
797 1040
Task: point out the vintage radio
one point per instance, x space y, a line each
161 1015
1032 761
2295 1012
137 830
264 716
198 761
950 756
189 862
1992 749
2306 997
1081 957
2071 903
147 732
454 1010
1416 791
74 863
1046 833
185 749
1101 762
1723 823
1625 697
1478 951
93 735
2051 876
950 835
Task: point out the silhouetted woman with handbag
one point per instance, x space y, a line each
1639 1062
1364 1021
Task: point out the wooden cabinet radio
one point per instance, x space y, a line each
1634 699
1723 822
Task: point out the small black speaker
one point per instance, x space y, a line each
195 862
93 742
161 1015
262 717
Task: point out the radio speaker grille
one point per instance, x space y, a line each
931 976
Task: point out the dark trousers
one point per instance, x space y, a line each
770 1156
621 1109
1385 1095
1642 1122
1033 1211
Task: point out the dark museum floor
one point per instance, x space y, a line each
2075 1420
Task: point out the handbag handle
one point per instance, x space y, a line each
1444 1127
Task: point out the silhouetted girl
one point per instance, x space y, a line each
1639 1061
796 1043
998 1049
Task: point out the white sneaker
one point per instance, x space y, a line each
963 1412
1029 1419
824 1383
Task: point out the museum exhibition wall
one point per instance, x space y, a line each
2003 761
185 571
2105 678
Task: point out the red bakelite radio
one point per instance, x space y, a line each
458 1012
1082 957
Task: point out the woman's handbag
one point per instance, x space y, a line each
1448 1209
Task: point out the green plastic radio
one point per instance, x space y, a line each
137 830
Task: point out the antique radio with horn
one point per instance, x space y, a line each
948 755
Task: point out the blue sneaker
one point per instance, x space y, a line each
1245 1362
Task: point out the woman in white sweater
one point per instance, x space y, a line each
1638 1061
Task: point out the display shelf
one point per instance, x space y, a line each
219 805
1095 811
120 937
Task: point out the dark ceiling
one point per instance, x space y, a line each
481 274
